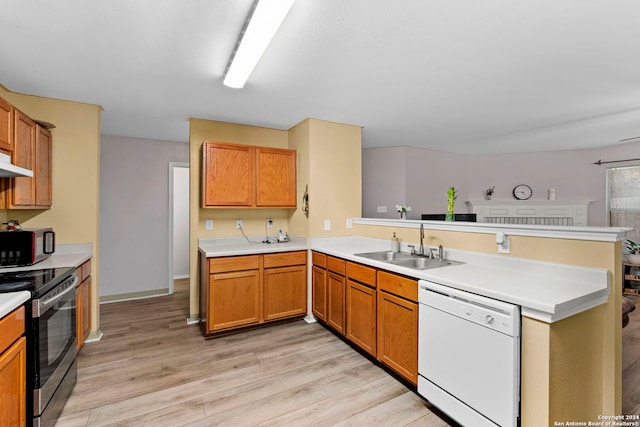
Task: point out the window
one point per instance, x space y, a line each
623 200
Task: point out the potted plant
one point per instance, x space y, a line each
452 193
488 193
634 251
402 210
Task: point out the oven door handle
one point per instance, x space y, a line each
42 306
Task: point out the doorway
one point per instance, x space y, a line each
178 222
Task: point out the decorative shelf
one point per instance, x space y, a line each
534 212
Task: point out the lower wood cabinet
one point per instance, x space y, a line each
13 369
83 303
319 286
284 292
361 316
361 306
241 291
233 292
376 310
398 324
336 293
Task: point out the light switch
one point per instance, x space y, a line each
382 209
327 224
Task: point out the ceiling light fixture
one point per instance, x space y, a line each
264 20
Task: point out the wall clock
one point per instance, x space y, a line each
522 192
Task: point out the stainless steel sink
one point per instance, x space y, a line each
401 259
386 256
423 263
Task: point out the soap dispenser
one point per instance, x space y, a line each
395 244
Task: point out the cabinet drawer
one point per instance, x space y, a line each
237 263
319 259
336 265
284 259
11 328
398 285
361 273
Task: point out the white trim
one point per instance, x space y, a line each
601 234
172 166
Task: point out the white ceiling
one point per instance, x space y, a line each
468 76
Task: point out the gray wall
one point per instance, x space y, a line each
134 214
420 178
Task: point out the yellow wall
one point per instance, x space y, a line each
224 219
299 141
571 369
76 175
329 162
335 174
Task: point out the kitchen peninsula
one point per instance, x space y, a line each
567 305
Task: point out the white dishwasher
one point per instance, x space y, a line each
469 356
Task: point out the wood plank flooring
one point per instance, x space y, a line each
151 368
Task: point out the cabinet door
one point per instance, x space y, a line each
23 191
361 316
228 174
319 289
6 126
398 335
42 170
13 384
285 292
83 312
276 177
336 300
234 299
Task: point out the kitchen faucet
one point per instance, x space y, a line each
421 252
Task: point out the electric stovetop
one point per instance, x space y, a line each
38 282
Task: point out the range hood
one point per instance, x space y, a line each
8 170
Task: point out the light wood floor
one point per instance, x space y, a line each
151 368
631 363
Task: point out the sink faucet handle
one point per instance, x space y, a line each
413 249
430 254
440 253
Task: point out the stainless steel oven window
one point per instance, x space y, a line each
55 323
60 328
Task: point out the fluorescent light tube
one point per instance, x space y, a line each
260 29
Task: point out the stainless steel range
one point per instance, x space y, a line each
51 338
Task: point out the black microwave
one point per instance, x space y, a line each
26 247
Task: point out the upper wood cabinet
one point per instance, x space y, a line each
23 190
6 125
275 177
228 175
42 172
30 147
237 175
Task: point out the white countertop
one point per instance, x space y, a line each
12 300
217 247
64 256
545 291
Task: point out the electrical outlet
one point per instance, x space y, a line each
349 223
238 223
208 224
327 224
269 223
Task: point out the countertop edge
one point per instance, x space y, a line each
12 300
592 295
